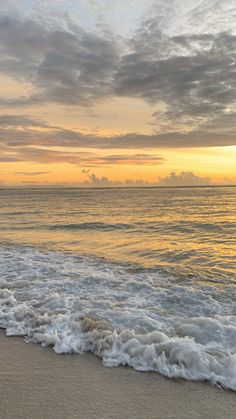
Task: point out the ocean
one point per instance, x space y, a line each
141 277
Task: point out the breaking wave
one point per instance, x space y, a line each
124 314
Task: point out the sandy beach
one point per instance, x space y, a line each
37 383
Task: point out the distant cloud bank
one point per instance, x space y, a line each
174 179
184 179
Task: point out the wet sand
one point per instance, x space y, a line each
37 383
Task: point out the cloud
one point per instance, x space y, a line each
63 66
184 179
29 182
103 181
26 139
173 59
85 159
193 75
8 159
31 173
8 121
174 179
130 159
185 61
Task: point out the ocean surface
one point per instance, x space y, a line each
139 277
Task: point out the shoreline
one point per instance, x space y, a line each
38 383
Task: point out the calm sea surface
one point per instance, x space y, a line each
140 277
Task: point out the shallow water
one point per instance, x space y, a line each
140 277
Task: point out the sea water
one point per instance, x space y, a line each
140 277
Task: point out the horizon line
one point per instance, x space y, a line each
115 187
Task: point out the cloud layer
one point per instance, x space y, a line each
26 139
181 59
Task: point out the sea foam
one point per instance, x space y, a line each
125 315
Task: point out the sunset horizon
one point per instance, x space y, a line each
117 92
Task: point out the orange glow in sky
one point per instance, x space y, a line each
90 104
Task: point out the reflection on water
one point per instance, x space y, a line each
190 232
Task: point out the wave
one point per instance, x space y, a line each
90 226
126 316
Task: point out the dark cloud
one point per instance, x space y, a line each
192 75
63 67
8 121
168 140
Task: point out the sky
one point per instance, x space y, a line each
117 92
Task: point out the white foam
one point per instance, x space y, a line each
126 316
